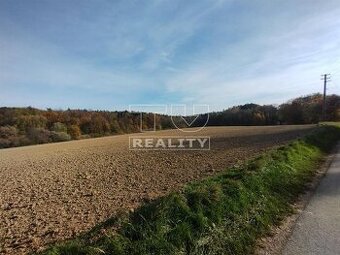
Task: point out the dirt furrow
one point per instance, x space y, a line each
55 191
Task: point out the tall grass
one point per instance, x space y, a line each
224 214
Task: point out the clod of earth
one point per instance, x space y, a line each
68 188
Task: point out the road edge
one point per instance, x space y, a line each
274 243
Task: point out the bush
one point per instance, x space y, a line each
39 135
9 137
59 136
8 131
5 143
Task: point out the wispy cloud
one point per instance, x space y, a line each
107 55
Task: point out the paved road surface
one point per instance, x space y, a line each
318 228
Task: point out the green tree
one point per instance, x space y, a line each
26 122
59 127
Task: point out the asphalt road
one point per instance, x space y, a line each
317 230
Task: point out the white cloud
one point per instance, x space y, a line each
286 63
215 52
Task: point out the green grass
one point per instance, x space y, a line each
224 214
331 123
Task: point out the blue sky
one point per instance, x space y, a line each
110 54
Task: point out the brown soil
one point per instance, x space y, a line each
55 191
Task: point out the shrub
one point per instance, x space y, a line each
9 137
59 136
39 135
4 143
8 131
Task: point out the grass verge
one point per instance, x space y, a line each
224 214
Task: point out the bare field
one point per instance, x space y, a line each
55 191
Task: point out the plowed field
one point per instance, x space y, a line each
54 191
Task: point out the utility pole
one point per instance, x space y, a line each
325 78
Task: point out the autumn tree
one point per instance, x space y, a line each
74 131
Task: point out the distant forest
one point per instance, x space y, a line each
26 126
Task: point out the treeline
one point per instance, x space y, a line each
302 110
308 109
248 114
25 126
